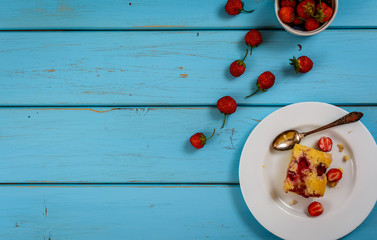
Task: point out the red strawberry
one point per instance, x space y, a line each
287 3
287 14
303 64
198 140
297 21
315 209
234 7
226 105
334 175
324 13
237 68
305 9
265 81
325 144
253 38
311 24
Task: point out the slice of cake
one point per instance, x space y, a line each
306 174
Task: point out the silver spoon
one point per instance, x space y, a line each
287 139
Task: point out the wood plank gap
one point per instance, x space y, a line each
136 183
171 105
177 29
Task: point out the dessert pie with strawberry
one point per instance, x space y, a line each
306 173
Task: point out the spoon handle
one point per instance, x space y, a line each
349 118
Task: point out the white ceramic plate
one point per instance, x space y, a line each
262 172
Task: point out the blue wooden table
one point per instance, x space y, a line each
99 98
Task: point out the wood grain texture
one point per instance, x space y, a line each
182 68
124 212
158 14
100 145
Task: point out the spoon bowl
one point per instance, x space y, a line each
286 140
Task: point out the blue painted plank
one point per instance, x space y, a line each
135 212
182 68
127 144
167 14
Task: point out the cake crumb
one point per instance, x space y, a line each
349 132
263 166
341 169
293 202
341 147
333 184
346 158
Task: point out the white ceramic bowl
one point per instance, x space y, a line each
306 33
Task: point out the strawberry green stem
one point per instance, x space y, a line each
245 55
225 115
211 135
247 11
251 51
252 93
244 9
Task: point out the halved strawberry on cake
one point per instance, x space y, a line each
306 173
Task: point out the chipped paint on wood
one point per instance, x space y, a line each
63 8
183 75
45 211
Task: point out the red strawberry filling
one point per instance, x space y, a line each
298 177
321 169
306 173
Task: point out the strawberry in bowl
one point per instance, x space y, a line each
306 17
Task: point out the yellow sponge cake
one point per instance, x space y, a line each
306 173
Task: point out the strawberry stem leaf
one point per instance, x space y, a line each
295 63
244 9
247 11
245 55
212 134
225 115
252 93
